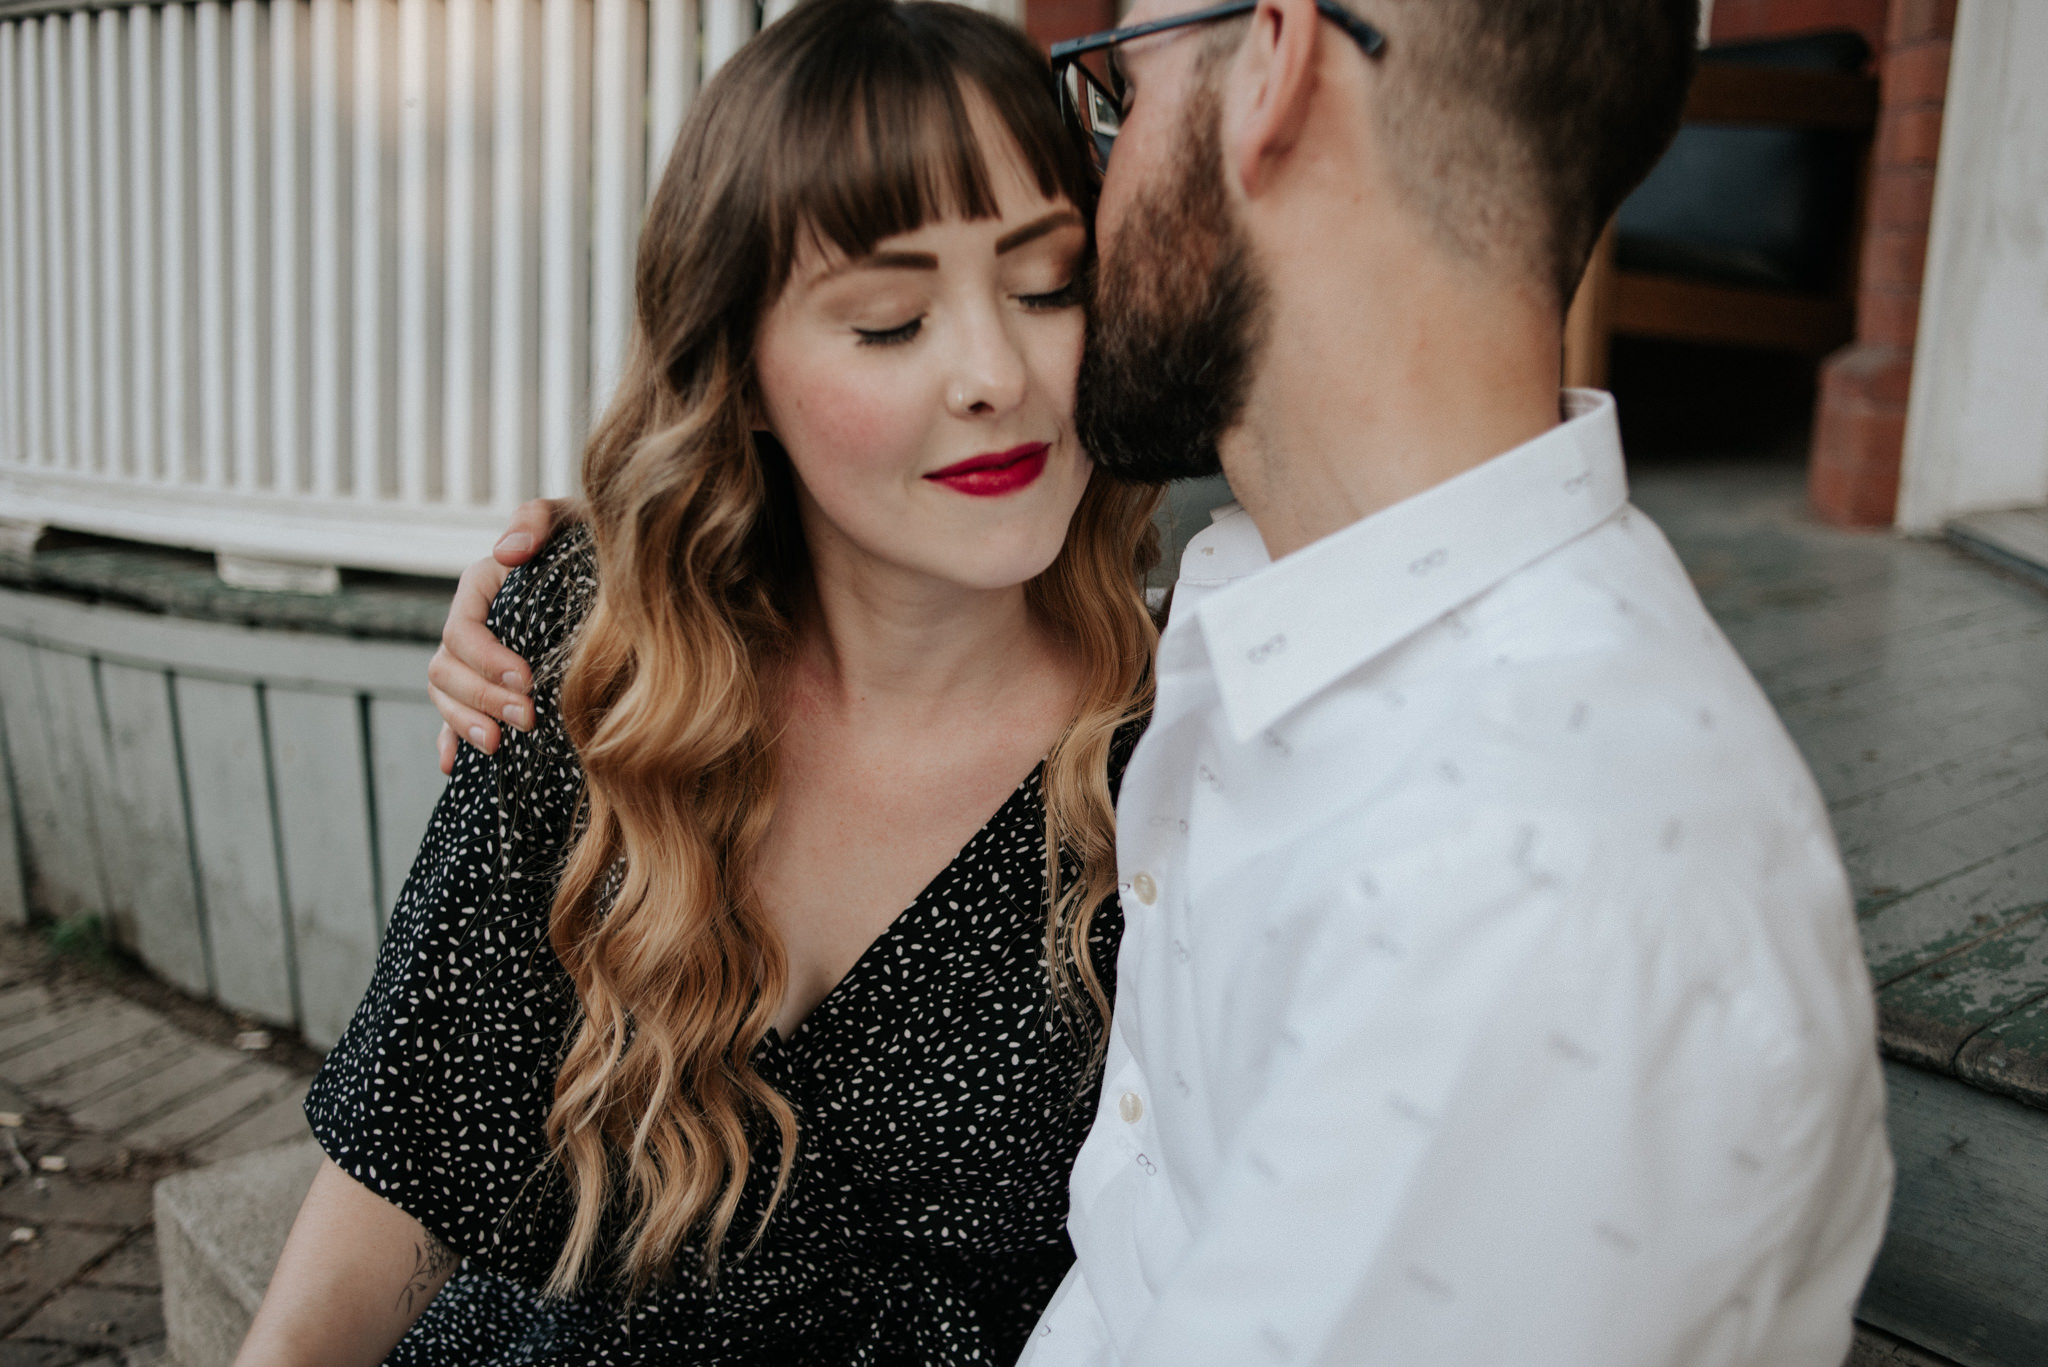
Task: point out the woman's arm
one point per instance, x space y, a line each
355 1274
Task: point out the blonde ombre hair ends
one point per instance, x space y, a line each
848 120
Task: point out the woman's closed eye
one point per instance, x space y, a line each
1067 296
895 336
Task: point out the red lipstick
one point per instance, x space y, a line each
995 473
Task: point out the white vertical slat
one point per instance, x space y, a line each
287 438
57 262
671 76
564 247
463 319
210 188
111 389
419 250
515 147
179 326
85 442
372 359
727 24
144 433
246 211
329 25
35 385
12 450
617 191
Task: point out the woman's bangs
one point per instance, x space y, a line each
884 141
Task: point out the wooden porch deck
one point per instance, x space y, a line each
1915 679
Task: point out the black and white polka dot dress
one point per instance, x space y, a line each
940 1097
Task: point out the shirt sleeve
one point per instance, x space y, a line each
1502 1118
436 1096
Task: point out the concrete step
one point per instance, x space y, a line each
219 1230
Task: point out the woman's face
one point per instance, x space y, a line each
925 392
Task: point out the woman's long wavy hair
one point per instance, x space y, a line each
846 120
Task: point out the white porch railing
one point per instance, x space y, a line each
337 281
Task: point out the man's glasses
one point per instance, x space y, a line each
1095 112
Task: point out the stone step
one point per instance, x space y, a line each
219 1230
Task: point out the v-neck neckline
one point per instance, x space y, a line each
850 980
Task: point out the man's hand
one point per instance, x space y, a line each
474 681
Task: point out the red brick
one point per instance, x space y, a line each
1052 21
1867 376
1909 136
1886 318
1901 197
1916 74
1854 478
1894 259
1738 19
1913 20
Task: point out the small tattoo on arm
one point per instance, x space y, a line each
432 1261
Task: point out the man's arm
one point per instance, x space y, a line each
474 681
354 1275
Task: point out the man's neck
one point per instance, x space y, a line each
1355 412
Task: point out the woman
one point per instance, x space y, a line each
737 1011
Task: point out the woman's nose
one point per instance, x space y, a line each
989 374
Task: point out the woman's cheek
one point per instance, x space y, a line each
849 433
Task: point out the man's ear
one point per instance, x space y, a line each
1267 90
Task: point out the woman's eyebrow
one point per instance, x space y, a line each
889 261
1031 232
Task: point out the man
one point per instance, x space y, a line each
1490 993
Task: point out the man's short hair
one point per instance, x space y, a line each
1519 126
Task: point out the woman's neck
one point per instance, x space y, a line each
878 641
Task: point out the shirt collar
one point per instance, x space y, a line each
1285 632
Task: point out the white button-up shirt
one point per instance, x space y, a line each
1490 994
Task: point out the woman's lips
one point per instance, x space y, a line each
996 473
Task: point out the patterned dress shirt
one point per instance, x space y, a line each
1490 992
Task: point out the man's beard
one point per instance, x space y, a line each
1177 325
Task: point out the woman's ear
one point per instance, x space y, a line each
1267 89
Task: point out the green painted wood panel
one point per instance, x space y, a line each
1929 1016
323 810
1964 1268
163 907
221 736
78 740
55 825
13 875
2011 1056
408 782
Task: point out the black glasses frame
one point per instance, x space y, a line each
1094 112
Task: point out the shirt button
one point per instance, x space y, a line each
1147 890
1130 1108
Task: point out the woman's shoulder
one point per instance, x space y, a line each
543 601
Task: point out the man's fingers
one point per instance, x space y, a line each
466 722
468 689
532 523
465 637
445 747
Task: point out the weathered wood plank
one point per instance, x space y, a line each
164 909
13 872
62 880
1988 773
216 650
78 742
221 737
2011 1055
1926 922
323 811
407 785
1964 1269
1926 1017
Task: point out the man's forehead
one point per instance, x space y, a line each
1145 11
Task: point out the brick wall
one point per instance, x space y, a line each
1738 19
1050 21
1860 425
